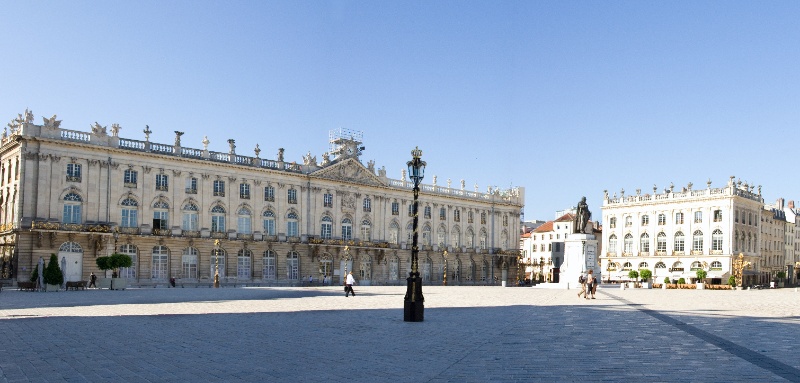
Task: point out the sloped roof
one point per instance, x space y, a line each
569 217
547 226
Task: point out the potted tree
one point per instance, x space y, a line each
666 282
780 275
732 282
52 275
701 276
114 262
645 275
633 275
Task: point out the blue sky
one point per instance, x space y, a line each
564 98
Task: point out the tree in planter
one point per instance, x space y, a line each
35 274
666 280
114 262
633 275
52 274
645 275
701 276
732 281
681 281
780 275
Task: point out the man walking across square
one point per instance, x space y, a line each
582 281
348 284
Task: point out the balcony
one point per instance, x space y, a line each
73 178
162 187
131 185
128 230
269 199
162 232
219 194
244 196
218 234
191 191
248 237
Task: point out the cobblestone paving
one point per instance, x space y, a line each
470 334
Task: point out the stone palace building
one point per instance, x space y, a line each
184 212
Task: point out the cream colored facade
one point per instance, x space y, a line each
676 232
84 194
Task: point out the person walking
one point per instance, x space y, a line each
92 280
590 284
348 285
310 280
582 281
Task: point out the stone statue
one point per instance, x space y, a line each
309 160
280 154
326 158
28 116
232 146
582 216
257 151
147 132
205 143
115 130
98 129
51 123
178 138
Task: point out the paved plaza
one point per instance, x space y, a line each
470 334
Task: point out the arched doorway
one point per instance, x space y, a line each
72 254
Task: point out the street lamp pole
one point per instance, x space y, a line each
414 308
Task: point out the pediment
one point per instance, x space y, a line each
349 170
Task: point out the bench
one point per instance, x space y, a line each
75 285
26 286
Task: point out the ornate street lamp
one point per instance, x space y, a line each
444 277
739 264
541 269
216 263
414 308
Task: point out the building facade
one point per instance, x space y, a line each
677 232
183 212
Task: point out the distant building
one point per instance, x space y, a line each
543 247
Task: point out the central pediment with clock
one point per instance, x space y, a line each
349 170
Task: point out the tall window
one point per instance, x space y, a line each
291 196
628 221
612 222
411 210
244 191
367 205
441 235
484 239
269 222
130 212
661 243
327 200
456 215
644 243
130 178
427 212
72 208
269 270
679 241
347 229
483 218
697 241
366 230
293 265
189 263
245 221
191 185
662 219
269 194
395 208
426 235
716 240
455 237
219 188
326 231
394 233
161 214
131 251
470 217
73 173
612 243
678 218
698 216
292 225
628 244
218 219
645 220
159 268
470 238
162 182
717 215
442 214
243 264
190 217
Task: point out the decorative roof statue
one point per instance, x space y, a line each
51 123
582 216
280 154
178 138
98 129
231 144
115 130
28 116
257 150
205 143
309 160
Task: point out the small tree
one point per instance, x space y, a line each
645 274
35 274
114 262
633 274
701 275
52 273
666 280
780 275
732 280
681 281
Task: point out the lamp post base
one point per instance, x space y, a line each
414 307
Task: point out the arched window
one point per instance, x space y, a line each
470 238
347 229
716 265
72 208
426 235
679 242
293 265
366 230
441 236
190 217
218 219
484 240
410 233
243 264
130 213
627 266
131 251
455 237
677 266
628 244
394 233
218 263
326 227
661 265
269 265
644 243
696 265
612 243
697 241
189 263
159 269
716 240
643 265
245 221
661 242
292 225
161 214
269 222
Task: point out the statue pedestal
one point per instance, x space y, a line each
580 255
